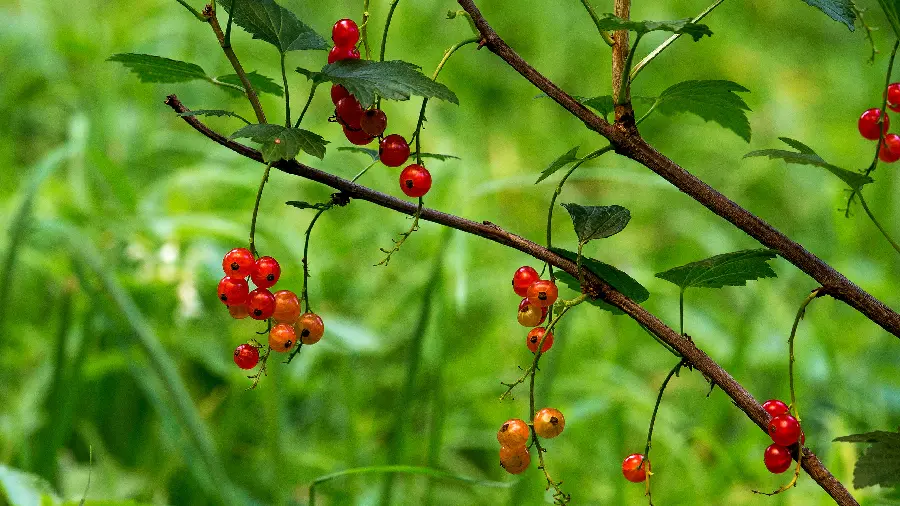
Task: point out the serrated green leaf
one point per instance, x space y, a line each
597 222
806 156
290 141
373 153
566 158
393 80
729 269
711 100
268 21
838 10
260 83
616 278
686 26
891 9
214 112
880 463
299 204
156 69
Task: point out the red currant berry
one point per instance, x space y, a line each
523 278
784 430
239 311
349 113
531 315
310 328
338 92
514 433
246 356
358 137
261 304
543 293
282 337
514 460
889 152
266 272
415 180
893 97
393 150
633 470
345 33
338 53
287 307
238 263
534 339
868 124
777 458
233 291
774 408
549 423
374 122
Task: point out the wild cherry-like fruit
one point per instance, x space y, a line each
374 122
523 278
261 304
893 97
632 469
542 293
784 430
549 423
415 180
358 137
393 150
514 460
534 339
777 458
287 307
514 433
310 328
339 53
531 315
345 33
266 272
233 291
774 408
349 113
246 356
338 92
868 124
282 337
889 152
239 311
238 263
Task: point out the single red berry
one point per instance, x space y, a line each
338 92
266 272
339 53
349 113
633 470
239 311
777 458
310 328
514 460
775 408
415 180
233 291
784 430
534 339
543 293
514 433
523 278
287 307
358 137
531 315
238 263
282 337
246 356
261 304
345 33
393 150
868 124
893 97
374 122
549 423
889 152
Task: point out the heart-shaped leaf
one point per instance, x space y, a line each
570 156
282 143
616 278
597 222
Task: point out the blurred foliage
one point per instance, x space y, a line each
116 216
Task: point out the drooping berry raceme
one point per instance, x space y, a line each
282 337
233 291
287 307
777 458
542 293
534 339
358 137
868 124
632 469
238 263
549 423
310 328
393 150
531 315
339 53
261 304
514 433
775 408
889 152
349 113
345 33
374 122
266 272
239 311
415 180
893 97
338 92
246 356
523 278
514 460
784 430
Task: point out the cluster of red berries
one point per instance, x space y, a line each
515 434
539 295
889 152
283 307
785 432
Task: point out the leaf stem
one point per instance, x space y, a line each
384 36
228 25
312 92
194 11
596 19
287 96
356 177
868 211
626 82
238 69
262 185
681 312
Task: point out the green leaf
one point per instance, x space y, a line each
373 153
685 26
618 279
299 204
838 10
268 21
156 69
214 112
566 158
393 80
806 156
891 9
729 269
290 141
597 222
711 100
260 83
880 463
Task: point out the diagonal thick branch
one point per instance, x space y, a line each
594 286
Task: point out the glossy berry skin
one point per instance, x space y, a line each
514 460
338 92
345 33
893 97
514 433
774 408
282 337
542 293
415 180
358 137
868 124
632 470
339 53
373 122
233 291
549 423
310 328
261 304
784 430
266 272
889 152
534 339
531 315
238 263
393 150
246 356
349 113
287 307
523 278
239 311
777 458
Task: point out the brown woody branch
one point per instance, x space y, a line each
594 285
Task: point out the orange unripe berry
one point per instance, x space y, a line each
282 337
310 328
239 312
514 433
514 460
536 336
542 293
530 315
549 423
287 307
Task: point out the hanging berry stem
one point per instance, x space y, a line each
818 292
262 185
662 389
881 229
404 236
384 36
364 29
312 93
304 294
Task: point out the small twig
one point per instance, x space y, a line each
818 292
287 96
364 29
262 186
860 16
312 93
236 64
403 237
263 361
881 229
662 389
304 294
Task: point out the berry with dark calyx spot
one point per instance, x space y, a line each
534 339
266 272
514 460
239 311
393 150
893 97
514 433
777 458
358 137
310 328
633 470
784 430
415 180
238 263
889 152
549 423
338 92
282 337
287 307
531 315
349 113
233 291
373 122
523 278
246 356
775 408
338 53
345 33
261 304
543 293
868 124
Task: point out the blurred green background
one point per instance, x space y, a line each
116 216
